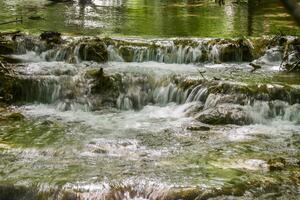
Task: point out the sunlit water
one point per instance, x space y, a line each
154 18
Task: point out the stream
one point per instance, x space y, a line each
149 100
148 137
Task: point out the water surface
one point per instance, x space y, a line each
154 18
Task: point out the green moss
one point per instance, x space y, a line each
260 46
16 116
276 164
184 193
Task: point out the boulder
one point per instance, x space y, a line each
224 114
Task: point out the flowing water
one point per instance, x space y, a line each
143 140
171 118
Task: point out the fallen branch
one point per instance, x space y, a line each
296 64
201 73
7 71
14 21
3 68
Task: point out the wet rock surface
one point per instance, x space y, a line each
93 50
224 114
51 37
276 164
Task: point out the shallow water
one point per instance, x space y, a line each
150 18
147 143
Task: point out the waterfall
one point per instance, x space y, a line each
183 51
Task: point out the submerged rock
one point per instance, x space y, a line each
100 151
276 164
16 116
198 128
6 114
224 114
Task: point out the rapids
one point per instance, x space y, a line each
180 119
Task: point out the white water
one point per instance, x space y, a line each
150 148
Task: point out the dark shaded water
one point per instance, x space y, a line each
155 18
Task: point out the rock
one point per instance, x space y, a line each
184 193
236 52
101 82
127 53
276 164
255 66
7 46
9 59
296 177
100 151
4 146
51 37
47 123
198 128
93 50
16 116
106 88
9 84
224 114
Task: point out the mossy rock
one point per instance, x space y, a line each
11 192
105 87
260 45
198 128
276 164
16 116
93 50
100 151
51 37
185 42
7 47
234 52
184 193
92 73
127 53
10 88
224 114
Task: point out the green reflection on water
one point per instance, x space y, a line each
153 18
